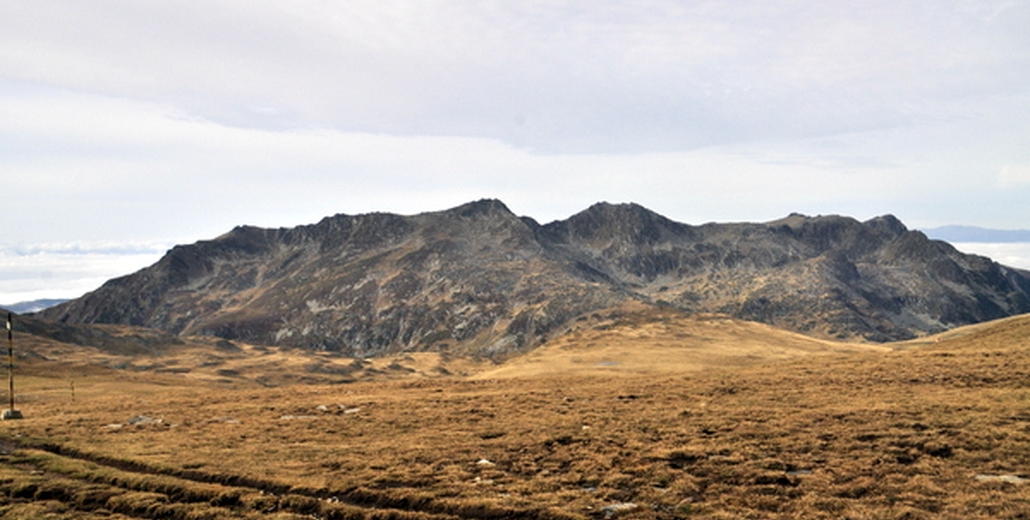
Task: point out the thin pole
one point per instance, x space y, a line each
10 356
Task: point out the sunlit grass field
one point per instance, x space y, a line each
642 416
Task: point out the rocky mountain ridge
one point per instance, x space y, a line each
479 279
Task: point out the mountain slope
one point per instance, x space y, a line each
478 279
829 276
469 279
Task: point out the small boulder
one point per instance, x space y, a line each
617 509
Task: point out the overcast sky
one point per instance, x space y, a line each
130 126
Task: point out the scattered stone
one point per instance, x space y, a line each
289 417
322 408
485 463
142 420
616 509
1008 479
113 426
226 420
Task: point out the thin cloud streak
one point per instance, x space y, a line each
559 76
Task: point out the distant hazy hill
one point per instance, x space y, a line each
976 234
479 279
31 306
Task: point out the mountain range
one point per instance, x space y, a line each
977 234
32 306
477 279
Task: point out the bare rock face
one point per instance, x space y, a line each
478 279
825 276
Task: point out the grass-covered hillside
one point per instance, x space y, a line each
936 428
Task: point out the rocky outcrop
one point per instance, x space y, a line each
478 279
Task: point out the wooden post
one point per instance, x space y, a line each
10 356
10 413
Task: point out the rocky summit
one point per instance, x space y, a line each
477 279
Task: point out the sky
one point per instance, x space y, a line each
127 127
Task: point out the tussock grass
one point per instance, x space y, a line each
840 433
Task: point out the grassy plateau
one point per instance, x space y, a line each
636 414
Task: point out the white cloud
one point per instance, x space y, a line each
37 271
1014 175
1012 254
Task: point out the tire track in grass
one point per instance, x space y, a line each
97 484
146 491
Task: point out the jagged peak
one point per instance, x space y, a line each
334 218
237 231
796 220
617 208
606 221
480 207
888 223
624 211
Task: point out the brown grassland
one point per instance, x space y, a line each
634 415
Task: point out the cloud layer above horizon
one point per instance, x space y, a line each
174 121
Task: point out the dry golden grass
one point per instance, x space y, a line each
635 341
853 432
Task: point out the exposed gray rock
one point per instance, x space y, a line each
142 420
615 510
1008 479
